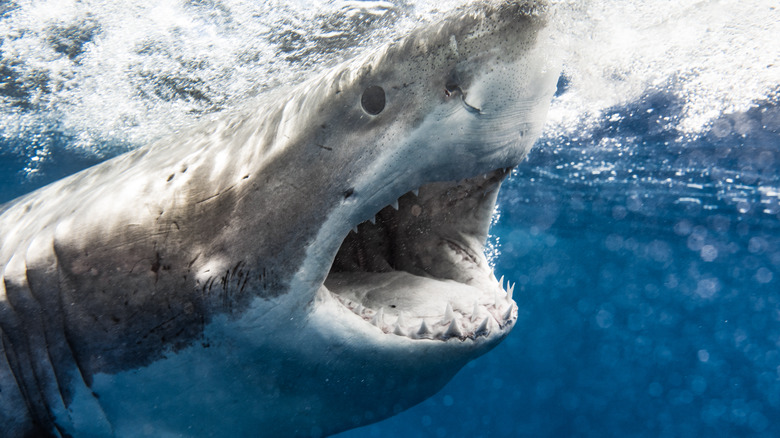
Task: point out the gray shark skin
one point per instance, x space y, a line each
308 264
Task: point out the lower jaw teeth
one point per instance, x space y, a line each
483 320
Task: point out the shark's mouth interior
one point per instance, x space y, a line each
418 269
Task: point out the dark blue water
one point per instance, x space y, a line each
648 266
648 271
23 168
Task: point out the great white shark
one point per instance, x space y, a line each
307 264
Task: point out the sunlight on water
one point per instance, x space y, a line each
114 75
716 57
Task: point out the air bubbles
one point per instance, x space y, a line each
614 242
683 227
604 318
709 253
492 250
659 251
764 275
619 212
708 287
757 245
655 389
697 238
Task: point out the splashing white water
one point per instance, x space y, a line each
715 56
115 74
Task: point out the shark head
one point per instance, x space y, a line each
308 264
394 292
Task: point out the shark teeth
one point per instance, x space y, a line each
449 315
453 331
373 219
507 314
483 329
416 192
423 332
379 318
475 311
455 322
379 245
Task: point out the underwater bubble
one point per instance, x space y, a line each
764 275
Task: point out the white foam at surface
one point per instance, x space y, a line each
717 57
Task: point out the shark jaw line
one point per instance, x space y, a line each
417 268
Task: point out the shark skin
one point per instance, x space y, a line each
307 264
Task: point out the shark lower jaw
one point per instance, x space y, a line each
417 271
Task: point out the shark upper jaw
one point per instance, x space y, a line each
416 270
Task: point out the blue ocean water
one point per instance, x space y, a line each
646 251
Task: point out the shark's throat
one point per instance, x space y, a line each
418 268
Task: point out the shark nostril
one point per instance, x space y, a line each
453 83
451 87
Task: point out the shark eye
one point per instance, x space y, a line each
373 100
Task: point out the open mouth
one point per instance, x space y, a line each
417 269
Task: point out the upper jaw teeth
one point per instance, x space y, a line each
488 185
509 288
480 320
